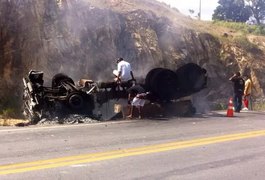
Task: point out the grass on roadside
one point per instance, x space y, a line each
242 27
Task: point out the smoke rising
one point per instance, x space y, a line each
82 38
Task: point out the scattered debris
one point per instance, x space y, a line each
70 119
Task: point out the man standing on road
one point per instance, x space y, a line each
124 71
239 86
247 93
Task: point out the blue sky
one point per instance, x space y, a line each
183 6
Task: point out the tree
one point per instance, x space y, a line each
257 8
232 10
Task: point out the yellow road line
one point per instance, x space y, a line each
93 157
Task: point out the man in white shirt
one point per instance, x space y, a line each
124 71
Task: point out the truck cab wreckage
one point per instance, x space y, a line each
65 97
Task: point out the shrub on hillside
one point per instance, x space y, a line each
244 43
10 107
242 27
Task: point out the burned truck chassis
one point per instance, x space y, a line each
64 97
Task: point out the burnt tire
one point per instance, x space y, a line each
60 78
163 83
75 101
149 78
192 78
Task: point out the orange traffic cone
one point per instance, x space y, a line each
230 109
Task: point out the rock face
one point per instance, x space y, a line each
81 38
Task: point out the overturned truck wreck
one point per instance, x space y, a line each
66 97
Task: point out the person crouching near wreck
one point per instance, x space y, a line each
136 98
123 71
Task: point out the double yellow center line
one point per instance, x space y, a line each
93 157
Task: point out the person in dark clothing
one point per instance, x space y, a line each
239 86
136 98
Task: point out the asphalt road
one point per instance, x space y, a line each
208 146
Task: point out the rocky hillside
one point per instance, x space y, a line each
83 37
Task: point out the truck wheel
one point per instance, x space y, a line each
163 83
76 101
149 78
58 79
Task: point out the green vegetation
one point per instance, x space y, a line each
245 44
242 27
259 106
9 113
232 10
10 107
240 10
219 106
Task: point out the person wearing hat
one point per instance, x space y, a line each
123 71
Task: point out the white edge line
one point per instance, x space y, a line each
28 128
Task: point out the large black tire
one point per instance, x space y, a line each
149 78
58 79
191 78
163 83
